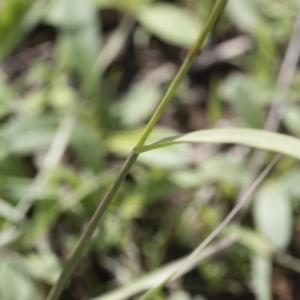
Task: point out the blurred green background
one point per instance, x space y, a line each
78 81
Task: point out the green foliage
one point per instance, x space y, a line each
18 17
16 284
170 23
273 214
71 110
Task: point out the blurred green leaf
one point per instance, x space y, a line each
245 14
56 13
138 104
239 85
27 136
171 23
290 181
238 90
80 38
291 119
12 12
17 18
43 266
15 282
262 277
266 16
273 214
222 169
249 16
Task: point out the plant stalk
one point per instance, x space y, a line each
193 52
83 242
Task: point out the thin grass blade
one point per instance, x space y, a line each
250 137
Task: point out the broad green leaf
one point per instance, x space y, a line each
27 136
256 16
141 98
79 43
43 266
262 277
291 119
250 137
245 14
238 89
249 17
15 282
239 84
273 214
290 181
171 23
56 14
251 114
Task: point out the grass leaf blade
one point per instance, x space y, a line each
250 137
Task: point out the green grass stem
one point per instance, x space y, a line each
193 52
83 242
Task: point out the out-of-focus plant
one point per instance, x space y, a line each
59 122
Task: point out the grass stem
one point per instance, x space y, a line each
83 242
193 52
